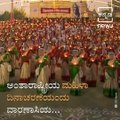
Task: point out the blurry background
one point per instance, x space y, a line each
32 8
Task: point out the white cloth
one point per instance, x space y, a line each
17 74
88 73
5 68
37 71
25 71
47 72
58 73
2 81
110 82
42 77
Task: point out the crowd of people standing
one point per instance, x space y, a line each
61 49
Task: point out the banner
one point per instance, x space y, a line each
51 9
55 10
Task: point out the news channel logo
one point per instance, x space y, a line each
105 15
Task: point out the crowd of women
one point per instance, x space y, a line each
68 50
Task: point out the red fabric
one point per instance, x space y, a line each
33 74
102 78
91 83
25 62
119 85
23 80
118 57
52 76
118 72
83 79
66 78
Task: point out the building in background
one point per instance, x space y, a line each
51 9
84 6
84 9
59 8
116 8
25 5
